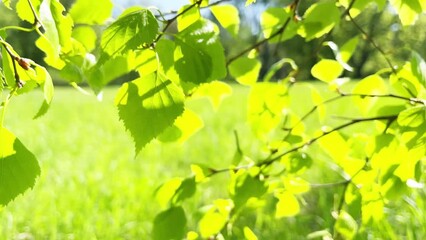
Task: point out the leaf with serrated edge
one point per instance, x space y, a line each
149 105
129 31
18 167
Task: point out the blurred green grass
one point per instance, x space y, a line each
93 186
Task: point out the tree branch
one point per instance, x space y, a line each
354 121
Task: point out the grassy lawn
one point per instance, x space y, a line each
93 187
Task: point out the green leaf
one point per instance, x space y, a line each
24 10
183 128
246 187
186 190
216 91
170 224
245 70
278 66
297 162
319 19
102 11
371 85
144 61
18 167
418 68
167 190
7 3
190 16
345 226
149 105
228 17
287 205
57 34
327 70
250 2
199 55
48 89
266 104
101 75
203 3
273 19
215 219
85 35
408 10
249 234
357 7
412 117
129 31
7 66
347 50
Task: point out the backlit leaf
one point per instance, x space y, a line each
371 85
199 55
327 70
319 19
85 35
216 91
149 105
273 19
346 227
170 224
227 16
57 32
266 104
249 2
101 11
287 205
249 234
216 217
184 127
129 31
24 10
246 187
412 117
418 67
190 16
18 167
408 10
245 70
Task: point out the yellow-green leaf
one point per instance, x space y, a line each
190 15
287 206
227 16
327 70
245 70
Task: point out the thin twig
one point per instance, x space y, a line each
370 39
269 161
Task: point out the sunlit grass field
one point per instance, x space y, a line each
92 185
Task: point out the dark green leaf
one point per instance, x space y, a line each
247 187
170 224
149 105
186 190
199 55
18 167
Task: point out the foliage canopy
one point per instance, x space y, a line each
179 55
